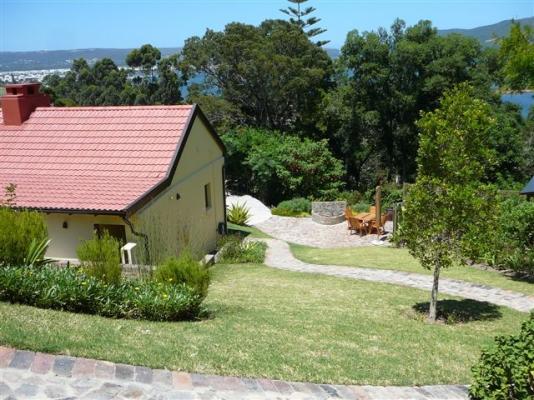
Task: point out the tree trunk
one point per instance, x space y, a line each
432 312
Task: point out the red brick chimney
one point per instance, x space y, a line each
20 101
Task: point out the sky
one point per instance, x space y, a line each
73 24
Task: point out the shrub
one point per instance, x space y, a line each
36 254
361 207
351 198
510 245
235 250
505 370
274 166
17 231
70 289
186 270
298 207
100 258
238 214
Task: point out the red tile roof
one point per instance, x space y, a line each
90 158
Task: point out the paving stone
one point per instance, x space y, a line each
143 374
104 370
182 380
63 366
124 372
55 391
6 355
283 387
199 380
267 385
4 389
83 367
42 363
252 385
26 390
162 377
22 359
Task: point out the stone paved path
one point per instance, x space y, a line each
297 230
279 256
28 375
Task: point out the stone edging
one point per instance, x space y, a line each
90 378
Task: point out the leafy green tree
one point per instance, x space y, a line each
275 167
105 84
303 19
449 208
271 73
384 79
146 57
517 56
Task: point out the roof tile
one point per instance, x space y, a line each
90 158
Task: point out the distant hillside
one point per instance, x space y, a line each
486 34
62 59
57 59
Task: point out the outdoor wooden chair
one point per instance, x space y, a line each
357 225
378 226
348 214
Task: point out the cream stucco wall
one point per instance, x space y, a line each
201 163
64 241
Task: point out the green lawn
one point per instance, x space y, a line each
401 260
279 324
249 231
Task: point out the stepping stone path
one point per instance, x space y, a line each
28 375
279 256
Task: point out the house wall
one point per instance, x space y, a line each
64 241
201 163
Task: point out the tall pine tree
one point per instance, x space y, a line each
301 17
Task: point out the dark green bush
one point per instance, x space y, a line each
70 289
235 250
274 166
293 208
351 198
506 369
100 257
186 270
512 241
17 231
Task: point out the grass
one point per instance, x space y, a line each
249 231
279 324
399 259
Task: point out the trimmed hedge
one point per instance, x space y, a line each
506 370
69 289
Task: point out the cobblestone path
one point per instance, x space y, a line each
28 375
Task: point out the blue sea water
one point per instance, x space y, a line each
524 100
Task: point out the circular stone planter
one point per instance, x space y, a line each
328 212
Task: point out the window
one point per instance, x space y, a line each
207 195
116 231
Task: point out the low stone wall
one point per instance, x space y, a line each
328 212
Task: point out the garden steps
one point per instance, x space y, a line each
25 374
279 256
